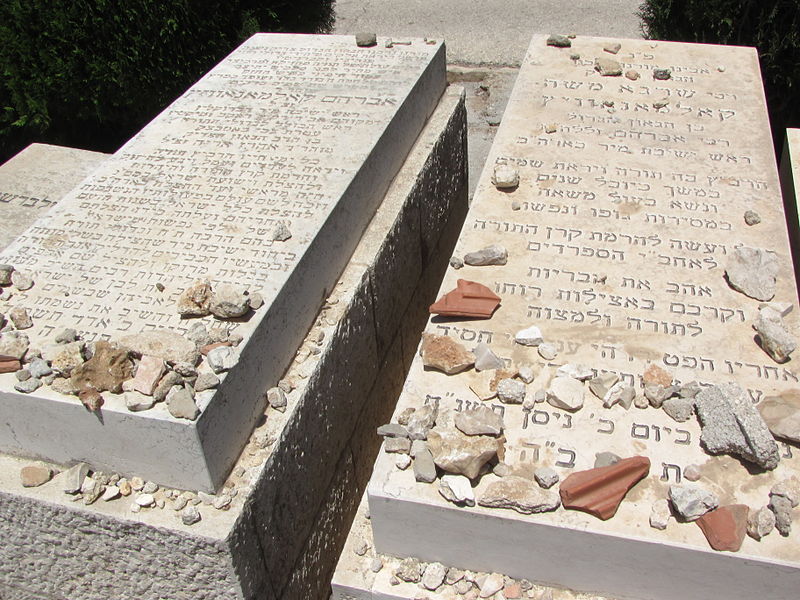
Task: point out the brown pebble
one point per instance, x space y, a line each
725 527
34 476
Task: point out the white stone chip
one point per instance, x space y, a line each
532 336
457 489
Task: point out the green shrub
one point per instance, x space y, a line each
91 73
772 26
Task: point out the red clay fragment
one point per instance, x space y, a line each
9 364
725 527
600 491
469 299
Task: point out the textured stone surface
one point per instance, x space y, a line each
163 344
445 354
753 272
732 425
457 489
519 494
691 502
461 454
782 416
481 420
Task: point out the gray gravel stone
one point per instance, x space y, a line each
505 177
394 430
751 217
457 489
72 479
277 399
547 351
479 421
760 523
65 336
485 359
180 403
660 514
409 570
774 335
20 318
28 386
731 424
491 255
5 274
559 41
576 371
781 506
39 368
532 336
662 74
692 502
566 393
605 459
190 515
424 467
680 409
511 391
206 381
22 281
434 575
546 477
420 422
366 40
229 302
221 359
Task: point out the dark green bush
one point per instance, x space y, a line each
772 26
90 73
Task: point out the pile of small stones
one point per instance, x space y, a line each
453 449
146 368
87 486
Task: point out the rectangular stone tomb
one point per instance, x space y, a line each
626 225
262 176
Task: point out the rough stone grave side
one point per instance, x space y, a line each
288 129
631 202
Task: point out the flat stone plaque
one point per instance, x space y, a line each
35 179
294 130
630 205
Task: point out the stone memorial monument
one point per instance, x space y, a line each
605 398
277 521
245 198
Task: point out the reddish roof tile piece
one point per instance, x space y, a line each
9 364
725 527
600 491
469 299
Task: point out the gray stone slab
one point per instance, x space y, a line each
296 483
631 199
307 131
35 179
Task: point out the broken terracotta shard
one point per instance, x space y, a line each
725 527
600 491
469 299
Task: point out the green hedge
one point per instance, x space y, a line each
772 26
91 73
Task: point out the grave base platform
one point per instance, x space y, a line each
299 478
